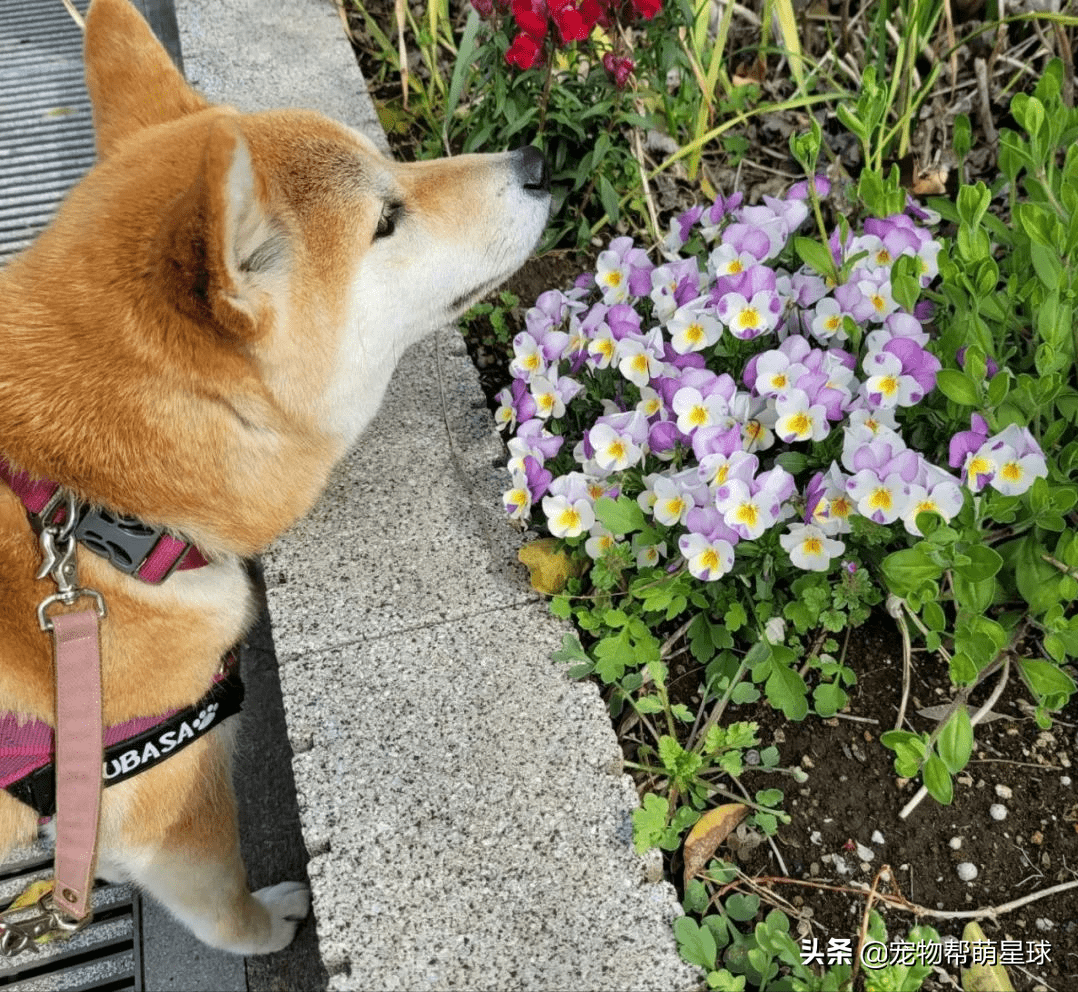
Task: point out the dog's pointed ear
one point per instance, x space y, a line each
218 245
132 81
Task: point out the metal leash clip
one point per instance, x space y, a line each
26 934
58 546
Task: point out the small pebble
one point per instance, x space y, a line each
1064 780
1043 924
865 853
967 871
1004 791
955 843
997 811
877 837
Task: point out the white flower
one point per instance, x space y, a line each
810 548
827 321
694 410
798 419
672 503
567 518
882 500
1015 474
614 452
691 329
612 277
708 560
638 361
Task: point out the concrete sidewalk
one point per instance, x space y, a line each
463 802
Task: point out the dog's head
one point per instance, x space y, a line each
243 282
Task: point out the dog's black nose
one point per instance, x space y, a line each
530 168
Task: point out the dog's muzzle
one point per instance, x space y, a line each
529 166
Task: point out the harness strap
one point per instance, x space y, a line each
78 758
148 553
131 747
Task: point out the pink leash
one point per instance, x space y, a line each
79 739
78 758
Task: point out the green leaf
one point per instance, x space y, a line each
649 822
786 690
695 943
829 698
955 742
906 571
958 387
938 780
742 907
620 517
609 197
735 617
571 650
1046 679
984 563
815 255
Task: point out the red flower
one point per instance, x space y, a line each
647 9
619 68
594 12
531 16
485 8
524 53
571 26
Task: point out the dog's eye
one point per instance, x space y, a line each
387 222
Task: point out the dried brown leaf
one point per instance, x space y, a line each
708 833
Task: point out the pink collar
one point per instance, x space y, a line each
148 553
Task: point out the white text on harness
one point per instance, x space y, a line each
159 747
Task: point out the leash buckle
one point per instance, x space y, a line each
58 560
28 933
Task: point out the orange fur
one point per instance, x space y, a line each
198 336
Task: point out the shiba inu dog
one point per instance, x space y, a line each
205 328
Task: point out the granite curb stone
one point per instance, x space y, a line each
463 802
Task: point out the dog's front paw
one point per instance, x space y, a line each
287 904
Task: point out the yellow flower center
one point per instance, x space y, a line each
616 450
709 560
747 514
568 519
812 546
613 278
698 416
880 499
840 506
1011 471
674 507
748 318
888 385
800 424
694 333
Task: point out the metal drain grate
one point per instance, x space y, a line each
46 128
106 956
